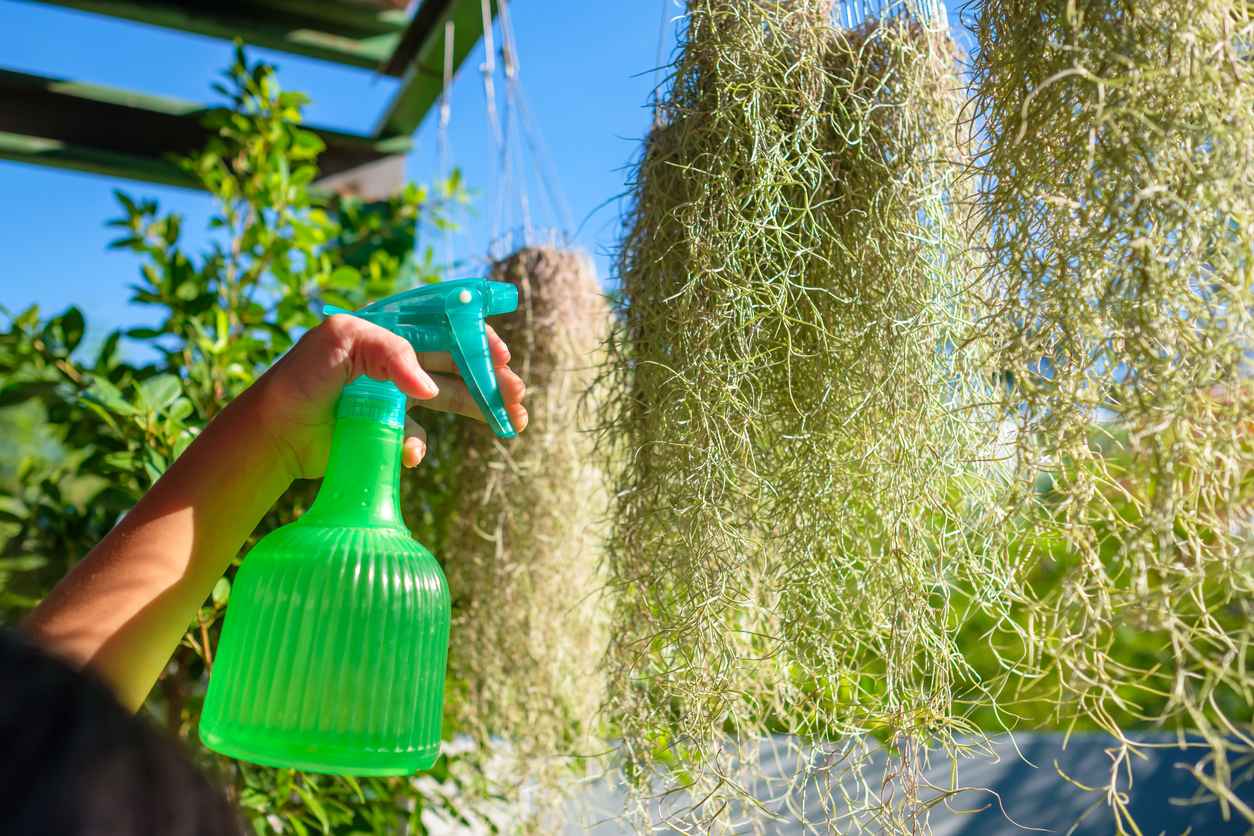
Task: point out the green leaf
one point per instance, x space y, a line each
302 175
126 201
28 318
179 410
8 530
221 592
103 414
352 782
333 298
180 445
346 277
120 460
109 396
315 807
251 798
143 333
23 564
72 328
12 599
162 390
307 144
154 458
15 393
107 351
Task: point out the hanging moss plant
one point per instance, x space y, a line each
1119 220
788 404
524 545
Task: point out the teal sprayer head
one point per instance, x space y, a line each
448 316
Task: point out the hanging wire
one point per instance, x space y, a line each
854 13
445 153
544 169
512 187
496 140
657 71
529 207
513 147
457 220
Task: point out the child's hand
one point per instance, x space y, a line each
295 400
124 607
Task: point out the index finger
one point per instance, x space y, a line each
442 362
498 348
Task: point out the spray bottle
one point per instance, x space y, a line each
333 650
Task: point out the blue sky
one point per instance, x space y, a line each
587 67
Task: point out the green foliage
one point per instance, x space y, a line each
100 431
57 506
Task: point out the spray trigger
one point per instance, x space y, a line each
448 316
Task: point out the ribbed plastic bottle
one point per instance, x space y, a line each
333 650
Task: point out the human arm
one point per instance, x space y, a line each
123 609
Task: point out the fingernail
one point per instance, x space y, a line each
423 377
435 390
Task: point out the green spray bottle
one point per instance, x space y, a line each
332 654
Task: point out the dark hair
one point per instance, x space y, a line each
74 762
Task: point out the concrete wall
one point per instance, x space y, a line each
1031 791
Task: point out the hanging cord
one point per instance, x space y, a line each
500 165
496 140
456 219
545 172
513 142
530 207
854 13
445 154
657 68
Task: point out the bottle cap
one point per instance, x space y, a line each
371 400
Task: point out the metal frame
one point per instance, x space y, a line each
352 35
419 59
67 124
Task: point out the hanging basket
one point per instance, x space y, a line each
1118 227
524 549
790 400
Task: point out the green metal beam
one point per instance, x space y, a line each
331 31
105 131
419 60
98 129
57 154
